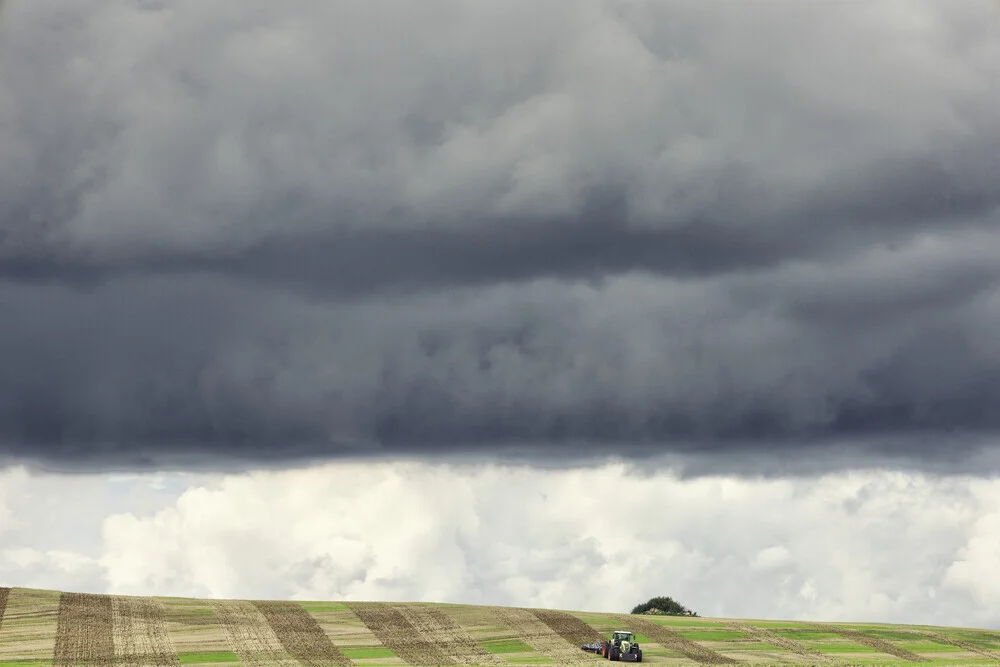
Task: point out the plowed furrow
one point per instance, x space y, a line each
4 596
880 645
667 638
767 637
249 635
541 637
568 627
440 629
301 634
140 633
84 634
961 643
398 635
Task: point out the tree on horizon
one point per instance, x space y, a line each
664 605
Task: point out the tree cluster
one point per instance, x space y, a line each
663 605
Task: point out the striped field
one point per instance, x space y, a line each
52 629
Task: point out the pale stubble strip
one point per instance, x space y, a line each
250 636
140 633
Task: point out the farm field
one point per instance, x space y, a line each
40 628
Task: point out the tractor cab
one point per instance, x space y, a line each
621 636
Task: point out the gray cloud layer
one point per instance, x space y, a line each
256 230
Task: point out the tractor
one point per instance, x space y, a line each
621 646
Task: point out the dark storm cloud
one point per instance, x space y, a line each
261 231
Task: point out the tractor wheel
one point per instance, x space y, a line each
638 655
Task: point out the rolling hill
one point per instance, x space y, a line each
41 628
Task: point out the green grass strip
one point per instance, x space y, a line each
774 625
501 646
845 647
366 653
806 635
711 635
928 647
674 621
202 658
324 607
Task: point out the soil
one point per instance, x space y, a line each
85 631
301 634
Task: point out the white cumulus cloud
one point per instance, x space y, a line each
870 545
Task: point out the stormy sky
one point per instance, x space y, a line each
252 233
373 291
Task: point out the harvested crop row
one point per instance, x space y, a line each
30 620
181 615
4 596
541 637
195 629
398 635
667 638
250 637
880 645
961 643
140 633
456 643
767 637
568 627
301 634
84 634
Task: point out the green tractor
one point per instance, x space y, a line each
621 646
